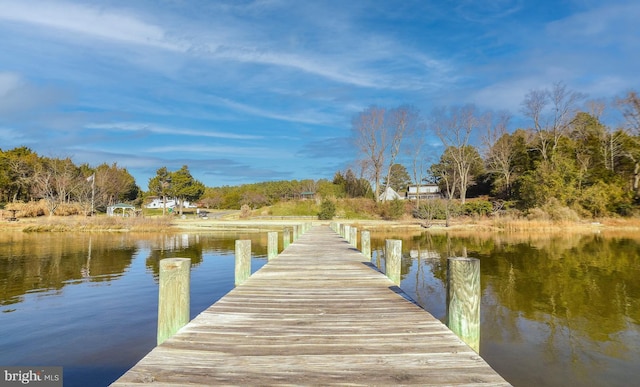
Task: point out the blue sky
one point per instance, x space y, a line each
248 91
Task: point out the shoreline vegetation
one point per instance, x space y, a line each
232 222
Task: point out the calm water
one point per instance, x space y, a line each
88 302
555 310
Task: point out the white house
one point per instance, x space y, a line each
425 191
171 203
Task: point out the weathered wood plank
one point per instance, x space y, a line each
317 314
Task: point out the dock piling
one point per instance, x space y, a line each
243 261
173 296
272 245
365 244
393 259
286 237
354 237
463 299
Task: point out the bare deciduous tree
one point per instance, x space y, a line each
551 112
370 136
499 149
630 106
454 127
400 121
55 180
416 151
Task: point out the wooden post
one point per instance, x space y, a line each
365 244
272 245
296 232
347 233
393 259
243 260
354 237
463 299
173 296
286 238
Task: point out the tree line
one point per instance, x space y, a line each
58 186
59 183
565 155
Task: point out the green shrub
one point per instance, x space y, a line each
392 210
553 210
436 209
477 207
327 210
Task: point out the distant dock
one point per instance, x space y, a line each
317 314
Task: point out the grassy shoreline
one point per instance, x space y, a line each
193 224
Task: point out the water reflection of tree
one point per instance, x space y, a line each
579 286
194 246
174 246
48 262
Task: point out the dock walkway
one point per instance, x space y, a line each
315 315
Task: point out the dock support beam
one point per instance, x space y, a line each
243 260
272 245
365 244
393 259
173 296
463 299
353 239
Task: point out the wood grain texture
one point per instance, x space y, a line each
365 245
272 245
393 259
318 314
463 299
243 261
173 296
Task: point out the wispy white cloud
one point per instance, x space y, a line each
154 128
18 96
82 19
346 61
306 117
487 11
610 22
217 151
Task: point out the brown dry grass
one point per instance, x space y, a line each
458 225
82 223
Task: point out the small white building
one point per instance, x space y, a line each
425 191
170 203
121 209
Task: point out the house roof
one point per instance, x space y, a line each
389 194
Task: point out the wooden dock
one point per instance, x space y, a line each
315 315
